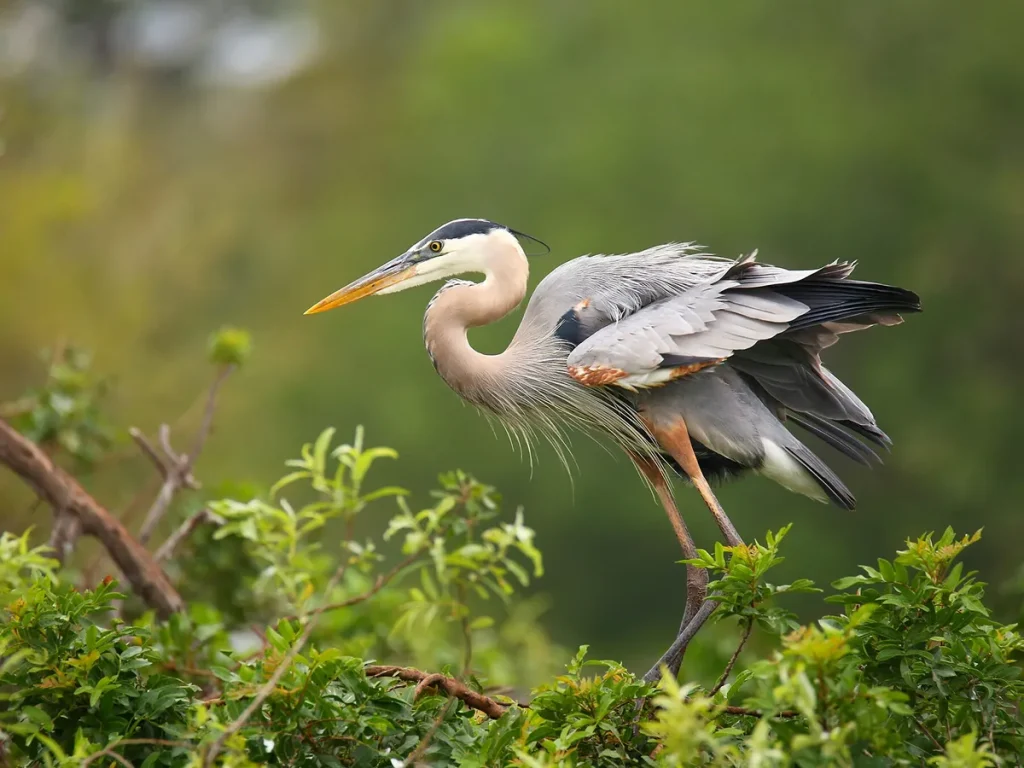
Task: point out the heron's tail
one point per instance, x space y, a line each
793 465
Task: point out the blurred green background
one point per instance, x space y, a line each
170 166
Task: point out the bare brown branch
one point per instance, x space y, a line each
208 412
184 531
176 468
62 492
451 686
64 534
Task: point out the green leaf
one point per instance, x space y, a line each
38 717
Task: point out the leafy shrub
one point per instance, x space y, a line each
414 649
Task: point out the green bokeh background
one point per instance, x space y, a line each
140 208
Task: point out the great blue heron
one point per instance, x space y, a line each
690 362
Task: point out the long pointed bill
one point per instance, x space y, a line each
392 273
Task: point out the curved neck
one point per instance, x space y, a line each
459 307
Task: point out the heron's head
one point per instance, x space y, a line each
458 247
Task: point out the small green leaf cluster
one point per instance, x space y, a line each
740 589
65 410
466 557
230 346
284 539
930 637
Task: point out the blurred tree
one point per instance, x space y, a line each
136 216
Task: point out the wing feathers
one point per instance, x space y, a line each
736 309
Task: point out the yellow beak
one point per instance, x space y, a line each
390 274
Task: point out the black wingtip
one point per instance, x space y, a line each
827 480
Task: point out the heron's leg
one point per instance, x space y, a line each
696 578
676 440
697 607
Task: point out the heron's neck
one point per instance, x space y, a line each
458 308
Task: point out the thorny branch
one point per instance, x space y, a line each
272 682
175 468
449 685
63 493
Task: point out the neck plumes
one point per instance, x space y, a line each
461 305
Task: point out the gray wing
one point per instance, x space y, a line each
642 319
616 286
673 337
728 312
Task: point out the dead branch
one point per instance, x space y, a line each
449 685
184 531
64 534
176 468
63 493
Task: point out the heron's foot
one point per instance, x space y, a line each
673 657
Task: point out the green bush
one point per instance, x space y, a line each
414 648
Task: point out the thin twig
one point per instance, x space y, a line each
109 750
451 686
467 635
184 531
272 682
175 468
927 732
744 712
62 492
732 659
147 448
211 407
417 753
64 534
379 584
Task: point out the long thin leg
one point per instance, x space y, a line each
696 578
676 440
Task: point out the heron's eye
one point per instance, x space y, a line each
435 246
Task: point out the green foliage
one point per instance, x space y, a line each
914 671
741 590
64 412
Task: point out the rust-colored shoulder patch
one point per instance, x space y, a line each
596 375
685 370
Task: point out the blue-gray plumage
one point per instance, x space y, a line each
688 361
